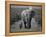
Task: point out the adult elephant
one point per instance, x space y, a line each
26 17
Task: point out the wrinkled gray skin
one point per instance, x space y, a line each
26 18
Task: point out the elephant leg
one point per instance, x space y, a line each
29 26
25 24
20 25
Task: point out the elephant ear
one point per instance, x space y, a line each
32 13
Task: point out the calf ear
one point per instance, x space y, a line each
32 13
